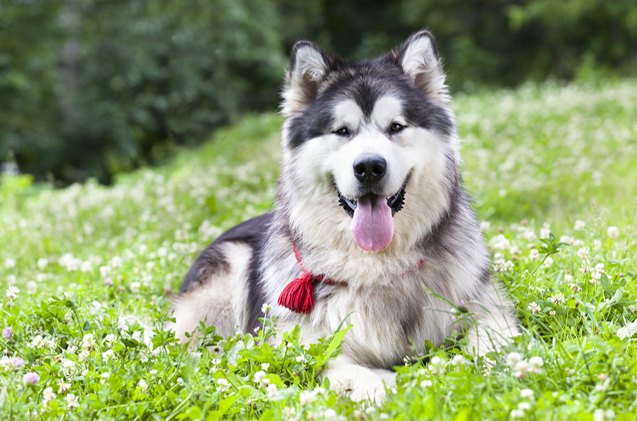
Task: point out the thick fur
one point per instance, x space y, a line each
397 298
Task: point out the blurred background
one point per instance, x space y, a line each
93 88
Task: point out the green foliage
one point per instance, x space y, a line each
94 88
87 275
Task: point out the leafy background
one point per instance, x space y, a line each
93 88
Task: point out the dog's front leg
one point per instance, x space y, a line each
361 383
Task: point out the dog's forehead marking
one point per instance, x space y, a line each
348 112
387 109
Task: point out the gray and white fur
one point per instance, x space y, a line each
394 109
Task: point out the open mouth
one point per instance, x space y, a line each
372 215
395 202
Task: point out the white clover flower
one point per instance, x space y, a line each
5 363
529 235
12 292
524 406
517 413
557 299
265 366
104 377
437 365
568 278
485 226
521 369
527 394
222 385
259 378
534 254
48 395
266 308
500 242
307 397
143 386
330 414
110 338
582 253
88 341
271 391
536 364
567 239
599 268
42 263
72 401
597 245
300 358
612 232
63 387
603 415
579 225
32 287
513 358
9 263
426 383
534 308
458 360
545 231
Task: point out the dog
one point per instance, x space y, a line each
371 226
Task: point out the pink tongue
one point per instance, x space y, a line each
372 224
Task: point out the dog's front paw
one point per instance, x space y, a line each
361 383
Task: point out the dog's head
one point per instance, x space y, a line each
375 137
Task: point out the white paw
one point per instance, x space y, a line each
361 383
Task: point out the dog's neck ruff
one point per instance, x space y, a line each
298 295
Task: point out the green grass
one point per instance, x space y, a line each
552 169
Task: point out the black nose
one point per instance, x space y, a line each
370 169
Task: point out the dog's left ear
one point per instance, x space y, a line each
419 60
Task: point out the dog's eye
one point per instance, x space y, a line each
396 127
341 131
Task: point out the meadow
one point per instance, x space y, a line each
87 274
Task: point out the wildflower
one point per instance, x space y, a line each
307 397
143 386
259 376
72 401
48 395
485 226
17 362
557 299
300 358
271 391
5 363
63 387
107 355
104 376
222 385
603 415
42 263
330 414
7 332
579 225
109 339
458 360
426 383
582 253
500 242
513 358
534 254
266 308
534 308
437 365
535 364
612 232
548 262
12 292
265 366
517 413
9 263
527 394
88 341
597 245
521 369
31 378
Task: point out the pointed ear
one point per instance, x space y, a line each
308 67
419 60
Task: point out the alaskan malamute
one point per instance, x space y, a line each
372 225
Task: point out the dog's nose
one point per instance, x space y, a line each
370 168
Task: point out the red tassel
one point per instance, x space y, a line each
298 295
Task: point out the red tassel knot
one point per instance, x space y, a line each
298 295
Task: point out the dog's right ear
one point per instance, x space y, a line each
308 67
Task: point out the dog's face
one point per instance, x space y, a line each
375 137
